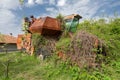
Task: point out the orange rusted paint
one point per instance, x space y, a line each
96 43
19 41
24 41
46 26
61 55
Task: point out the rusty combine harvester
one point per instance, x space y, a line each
82 49
46 26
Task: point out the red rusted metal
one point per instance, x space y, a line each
24 42
46 26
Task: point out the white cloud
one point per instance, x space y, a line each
50 9
70 7
52 2
9 4
31 2
39 1
6 16
8 20
61 2
103 10
86 8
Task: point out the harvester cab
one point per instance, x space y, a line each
71 22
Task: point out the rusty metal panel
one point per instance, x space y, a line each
51 23
37 26
45 25
19 41
24 41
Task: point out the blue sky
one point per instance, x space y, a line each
11 12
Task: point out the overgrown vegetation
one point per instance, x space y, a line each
60 17
43 45
37 40
25 67
107 31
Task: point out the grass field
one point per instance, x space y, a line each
25 67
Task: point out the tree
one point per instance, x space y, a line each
61 19
21 2
7 60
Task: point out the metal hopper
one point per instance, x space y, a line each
46 26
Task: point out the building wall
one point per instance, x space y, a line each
8 47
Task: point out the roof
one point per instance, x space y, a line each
8 39
72 16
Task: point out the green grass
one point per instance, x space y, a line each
25 67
